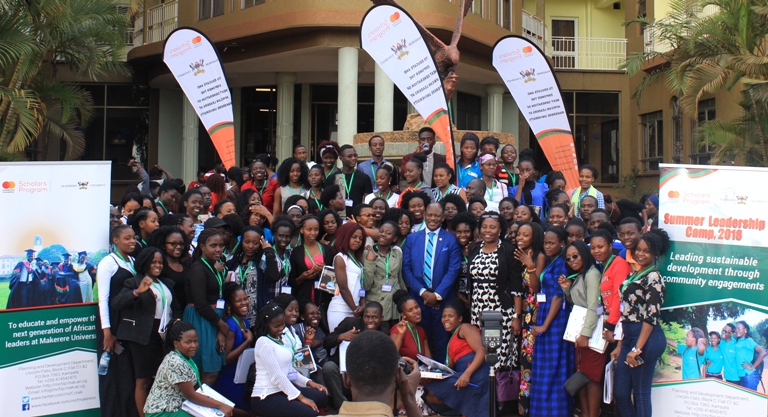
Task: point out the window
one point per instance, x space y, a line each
702 153
652 127
467 111
505 14
211 8
677 131
251 3
564 43
478 7
119 130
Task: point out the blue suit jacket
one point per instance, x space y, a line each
445 269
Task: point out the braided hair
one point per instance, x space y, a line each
267 313
174 331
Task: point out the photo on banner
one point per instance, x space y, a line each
715 314
531 80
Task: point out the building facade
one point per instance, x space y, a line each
297 75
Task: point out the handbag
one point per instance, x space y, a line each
508 385
577 381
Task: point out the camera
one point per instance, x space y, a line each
491 329
407 368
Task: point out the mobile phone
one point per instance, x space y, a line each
639 360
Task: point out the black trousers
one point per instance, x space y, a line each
278 405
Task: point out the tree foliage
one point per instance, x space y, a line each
37 38
722 51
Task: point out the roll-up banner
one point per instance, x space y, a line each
55 230
196 65
713 273
393 40
531 80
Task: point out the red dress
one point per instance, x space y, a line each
411 347
267 192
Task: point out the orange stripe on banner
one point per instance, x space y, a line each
223 137
561 154
441 124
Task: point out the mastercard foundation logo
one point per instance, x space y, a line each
527 49
395 17
673 194
9 187
196 40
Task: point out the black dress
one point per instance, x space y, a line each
116 388
179 291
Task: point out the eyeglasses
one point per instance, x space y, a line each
489 216
175 244
571 258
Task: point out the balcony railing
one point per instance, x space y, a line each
651 41
587 53
534 30
161 21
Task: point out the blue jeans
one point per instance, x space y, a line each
750 381
629 383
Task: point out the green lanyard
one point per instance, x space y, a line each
219 275
159 289
298 190
636 276
285 263
373 172
192 365
362 271
549 266
449 342
403 242
386 263
233 249
163 206
388 195
572 276
348 185
489 192
415 336
602 276
143 242
314 197
442 195
310 256
239 324
130 263
512 180
280 343
263 187
333 171
244 274
417 187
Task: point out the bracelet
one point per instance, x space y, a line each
637 350
530 270
308 341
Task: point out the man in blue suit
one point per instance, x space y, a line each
431 263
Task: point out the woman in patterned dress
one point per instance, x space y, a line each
496 284
530 252
552 362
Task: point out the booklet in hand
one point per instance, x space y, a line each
327 280
433 369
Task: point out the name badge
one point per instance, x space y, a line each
231 276
293 375
599 310
361 293
285 289
541 297
348 202
317 284
220 303
623 307
386 287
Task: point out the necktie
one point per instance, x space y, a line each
428 260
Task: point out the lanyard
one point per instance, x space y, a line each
403 242
386 264
388 195
310 256
572 276
416 187
449 342
548 267
415 336
239 324
421 227
244 273
362 271
348 185
373 171
192 365
163 206
602 276
294 191
333 171
314 197
489 192
636 276
284 262
159 289
219 275
279 342
442 195
512 179
233 249
143 242
130 263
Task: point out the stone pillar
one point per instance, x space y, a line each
306 117
411 109
495 114
189 142
347 101
284 139
383 107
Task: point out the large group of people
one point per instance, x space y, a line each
232 265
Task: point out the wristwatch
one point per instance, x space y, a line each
439 298
637 350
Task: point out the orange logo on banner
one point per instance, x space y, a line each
197 39
527 49
673 194
394 17
9 184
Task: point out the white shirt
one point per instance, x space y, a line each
273 362
107 268
391 201
429 166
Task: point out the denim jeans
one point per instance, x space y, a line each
750 381
636 382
